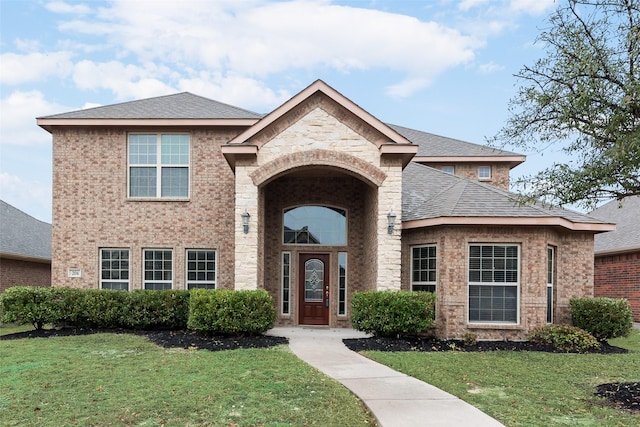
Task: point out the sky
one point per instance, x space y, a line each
440 66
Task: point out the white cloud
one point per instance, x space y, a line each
30 196
532 7
406 87
258 39
32 67
18 119
490 67
63 7
465 5
125 81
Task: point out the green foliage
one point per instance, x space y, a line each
564 337
223 311
585 94
388 313
34 305
604 318
168 309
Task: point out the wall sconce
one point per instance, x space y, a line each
392 220
245 221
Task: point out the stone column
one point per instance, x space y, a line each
389 245
246 256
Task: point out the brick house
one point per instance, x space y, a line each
617 253
313 201
25 249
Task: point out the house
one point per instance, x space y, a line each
25 249
617 253
313 201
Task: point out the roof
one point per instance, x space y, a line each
626 215
431 145
183 105
23 236
432 197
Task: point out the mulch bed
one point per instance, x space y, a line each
166 339
622 395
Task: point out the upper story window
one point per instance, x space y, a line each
315 225
449 169
484 172
159 165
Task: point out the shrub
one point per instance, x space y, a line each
223 311
604 318
34 305
564 337
168 309
389 313
97 308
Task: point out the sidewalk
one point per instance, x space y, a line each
395 399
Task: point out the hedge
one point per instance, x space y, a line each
392 313
564 337
224 311
604 318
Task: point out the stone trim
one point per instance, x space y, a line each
353 165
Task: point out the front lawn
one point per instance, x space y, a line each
123 379
528 388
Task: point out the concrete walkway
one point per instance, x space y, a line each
395 399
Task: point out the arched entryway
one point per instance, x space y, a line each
309 268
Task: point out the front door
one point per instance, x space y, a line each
314 289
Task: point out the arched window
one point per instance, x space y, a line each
315 225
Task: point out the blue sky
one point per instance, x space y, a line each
441 66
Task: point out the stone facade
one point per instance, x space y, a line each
618 276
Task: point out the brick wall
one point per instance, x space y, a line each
618 276
15 272
499 172
91 209
574 274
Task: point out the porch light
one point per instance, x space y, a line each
392 220
245 221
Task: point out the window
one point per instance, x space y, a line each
448 169
484 172
342 284
201 269
159 165
551 267
286 282
158 269
493 283
423 268
315 225
114 269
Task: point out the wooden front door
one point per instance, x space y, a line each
313 288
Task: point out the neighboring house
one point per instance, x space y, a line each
617 253
313 201
25 249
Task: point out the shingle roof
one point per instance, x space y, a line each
429 193
626 216
183 105
430 145
22 235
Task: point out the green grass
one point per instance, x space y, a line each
124 380
528 388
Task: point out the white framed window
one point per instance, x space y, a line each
342 284
158 269
114 269
285 282
158 165
424 268
449 169
494 288
551 278
201 269
484 172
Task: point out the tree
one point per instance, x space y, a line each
584 94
